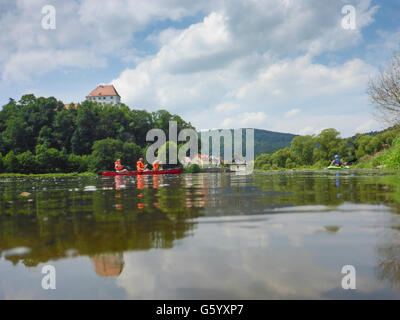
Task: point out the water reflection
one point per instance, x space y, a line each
222 232
108 265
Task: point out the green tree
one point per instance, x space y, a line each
262 160
330 144
10 162
85 133
303 147
63 128
280 157
164 154
131 153
49 160
26 162
104 154
1 163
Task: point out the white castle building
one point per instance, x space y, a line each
105 94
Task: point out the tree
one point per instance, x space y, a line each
164 154
303 147
26 162
49 160
262 160
1 163
104 154
280 157
384 91
330 144
10 162
131 153
85 133
63 128
14 136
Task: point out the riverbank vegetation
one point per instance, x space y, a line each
41 135
365 151
317 151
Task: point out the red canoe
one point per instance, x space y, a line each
145 173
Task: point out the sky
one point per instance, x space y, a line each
280 65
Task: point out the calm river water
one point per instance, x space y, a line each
202 236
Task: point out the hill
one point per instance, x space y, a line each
266 141
269 141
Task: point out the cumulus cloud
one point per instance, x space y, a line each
245 120
292 113
309 131
367 126
241 61
87 31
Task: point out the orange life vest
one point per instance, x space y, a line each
156 165
118 165
140 166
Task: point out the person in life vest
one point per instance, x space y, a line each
140 166
156 165
119 167
337 162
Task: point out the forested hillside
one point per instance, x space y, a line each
39 135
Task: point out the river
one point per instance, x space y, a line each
202 236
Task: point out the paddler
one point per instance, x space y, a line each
119 167
140 166
156 165
337 162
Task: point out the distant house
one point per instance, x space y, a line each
238 167
71 106
203 161
105 94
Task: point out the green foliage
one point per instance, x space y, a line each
164 154
318 151
106 151
131 153
303 148
62 140
11 162
49 160
104 154
26 162
194 168
77 163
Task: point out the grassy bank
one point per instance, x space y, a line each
386 159
48 175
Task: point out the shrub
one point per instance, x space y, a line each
49 160
1 163
194 168
104 154
10 162
26 163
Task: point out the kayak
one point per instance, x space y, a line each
338 168
144 173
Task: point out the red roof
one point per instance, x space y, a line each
103 90
69 106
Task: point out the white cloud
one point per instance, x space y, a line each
245 58
292 113
226 107
309 131
245 120
230 29
367 126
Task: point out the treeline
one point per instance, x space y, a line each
40 135
317 151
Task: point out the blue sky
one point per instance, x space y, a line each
282 65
